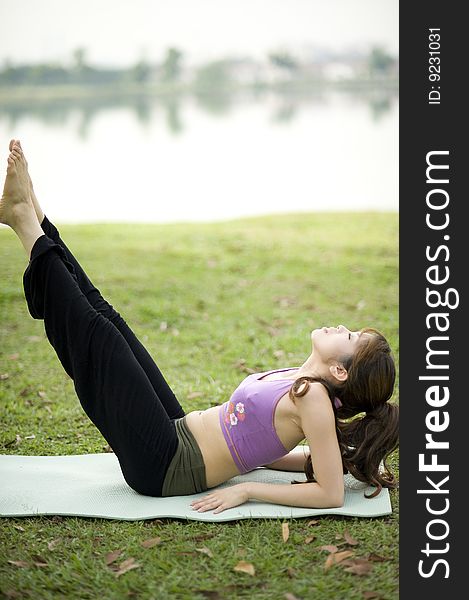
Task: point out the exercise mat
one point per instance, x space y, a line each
92 485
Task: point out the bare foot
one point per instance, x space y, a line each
16 207
15 198
35 201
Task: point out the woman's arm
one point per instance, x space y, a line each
319 426
293 461
306 495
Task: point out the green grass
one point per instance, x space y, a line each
246 292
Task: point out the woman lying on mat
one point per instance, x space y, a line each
164 452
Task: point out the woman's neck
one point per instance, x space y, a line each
310 368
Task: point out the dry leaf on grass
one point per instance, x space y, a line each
285 531
358 566
312 522
112 556
53 543
349 539
285 301
340 556
289 596
205 550
151 542
245 567
19 528
336 557
193 395
38 561
241 365
291 572
371 596
10 443
19 563
310 539
329 562
328 548
372 557
126 566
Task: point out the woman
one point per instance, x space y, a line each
161 450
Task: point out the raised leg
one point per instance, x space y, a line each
111 385
94 297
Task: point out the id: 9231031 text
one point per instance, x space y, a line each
434 66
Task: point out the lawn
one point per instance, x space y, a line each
210 302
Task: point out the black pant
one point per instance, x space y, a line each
117 382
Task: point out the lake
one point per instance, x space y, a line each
209 158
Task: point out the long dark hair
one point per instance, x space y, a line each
364 440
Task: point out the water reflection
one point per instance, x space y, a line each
208 157
284 109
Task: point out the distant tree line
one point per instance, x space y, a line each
79 73
170 70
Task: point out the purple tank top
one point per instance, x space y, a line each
247 421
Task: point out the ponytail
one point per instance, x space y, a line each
366 443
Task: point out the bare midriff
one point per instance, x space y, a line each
219 464
205 427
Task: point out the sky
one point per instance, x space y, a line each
121 32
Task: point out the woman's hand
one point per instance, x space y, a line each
222 499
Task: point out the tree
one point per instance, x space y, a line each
79 57
215 74
380 61
140 71
283 60
172 64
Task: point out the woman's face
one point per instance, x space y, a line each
333 343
